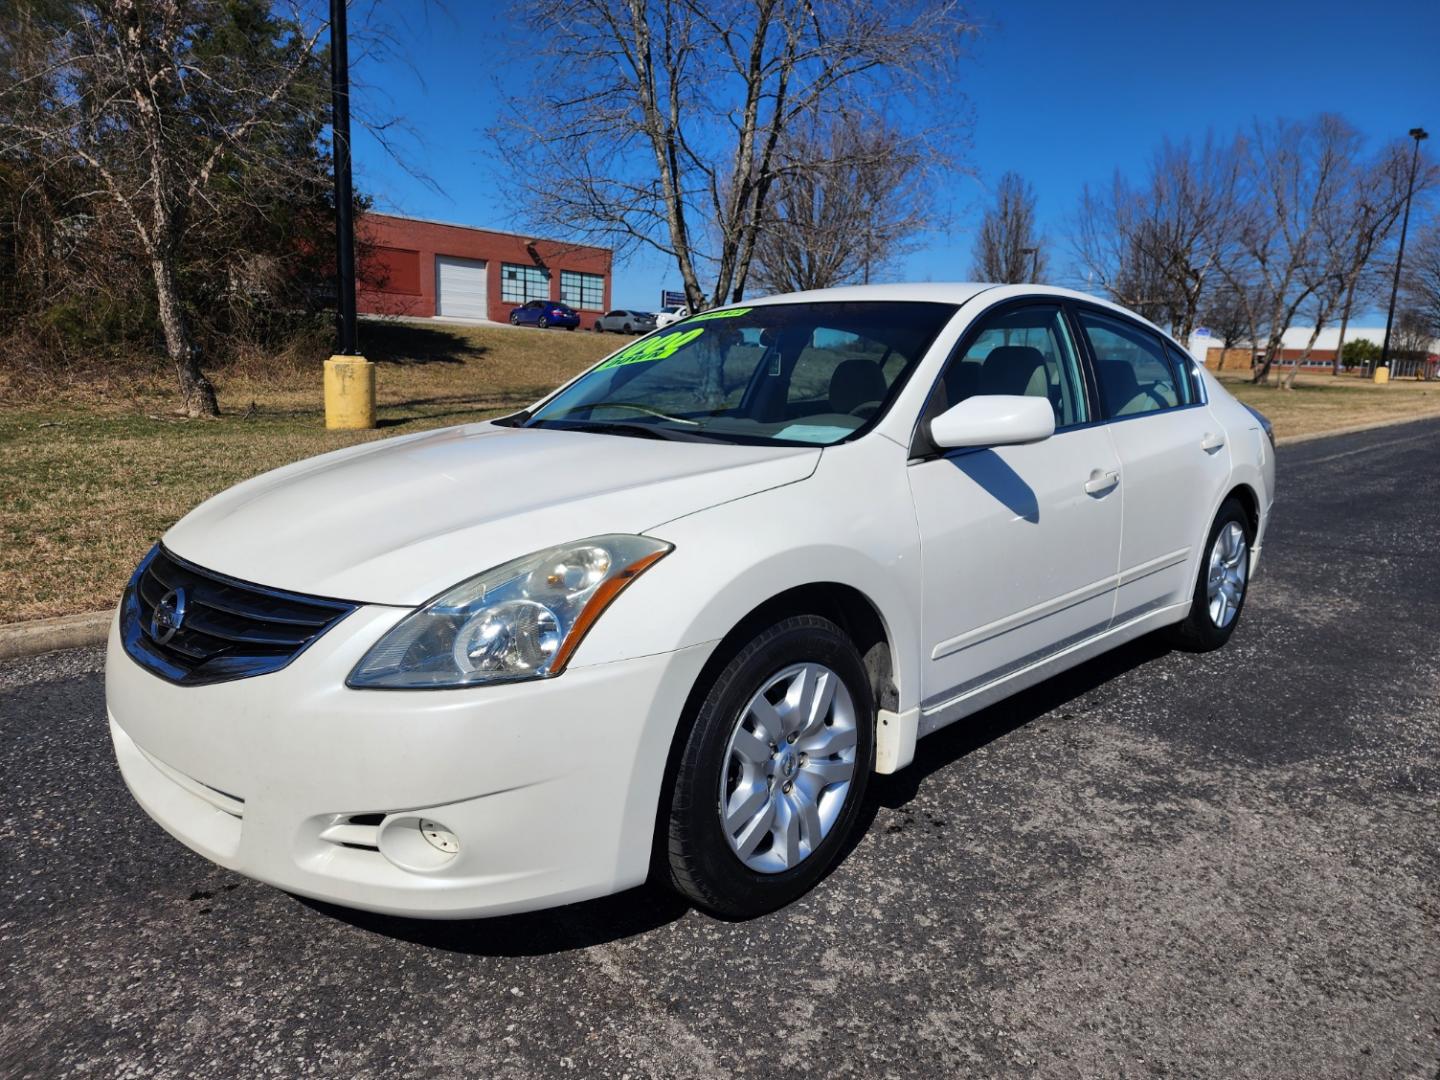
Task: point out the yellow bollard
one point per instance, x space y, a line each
349 393
1382 376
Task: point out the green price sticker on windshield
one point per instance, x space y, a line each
653 348
725 313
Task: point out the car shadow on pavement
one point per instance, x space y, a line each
557 930
950 744
650 906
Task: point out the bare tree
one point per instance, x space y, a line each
1227 315
663 123
172 108
1413 337
846 212
1422 276
1008 247
1293 174
1158 247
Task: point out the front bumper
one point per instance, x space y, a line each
549 788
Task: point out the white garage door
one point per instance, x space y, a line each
460 288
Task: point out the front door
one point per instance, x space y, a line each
1020 544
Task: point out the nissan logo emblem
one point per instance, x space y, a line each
168 617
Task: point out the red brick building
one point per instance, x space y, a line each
410 266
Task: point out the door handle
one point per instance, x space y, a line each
1211 443
1101 482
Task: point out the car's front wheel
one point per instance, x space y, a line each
514 320
542 322
1219 595
772 775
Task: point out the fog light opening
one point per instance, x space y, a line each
420 845
439 837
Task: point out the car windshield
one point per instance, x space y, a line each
807 374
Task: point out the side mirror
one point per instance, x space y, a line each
994 420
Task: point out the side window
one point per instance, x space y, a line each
1135 375
1024 351
1186 379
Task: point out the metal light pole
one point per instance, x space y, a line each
349 377
1382 373
344 195
1034 253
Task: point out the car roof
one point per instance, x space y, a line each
940 292
944 292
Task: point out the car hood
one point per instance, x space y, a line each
400 520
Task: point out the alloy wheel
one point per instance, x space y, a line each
788 768
1229 564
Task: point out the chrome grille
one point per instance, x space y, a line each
223 628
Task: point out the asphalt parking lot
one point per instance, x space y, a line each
1156 865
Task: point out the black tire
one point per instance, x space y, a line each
628 328
569 328
514 320
598 328
702 865
1198 632
542 322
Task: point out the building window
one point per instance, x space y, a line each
582 290
519 284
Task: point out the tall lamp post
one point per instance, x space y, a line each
1382 373
1034 253
349 377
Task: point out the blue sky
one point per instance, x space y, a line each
1062 92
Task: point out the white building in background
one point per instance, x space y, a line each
1205 346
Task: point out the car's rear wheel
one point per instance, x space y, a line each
1221 584
772 775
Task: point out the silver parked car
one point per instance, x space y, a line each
624 321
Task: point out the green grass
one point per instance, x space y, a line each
93 471
86 488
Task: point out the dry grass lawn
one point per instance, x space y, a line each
91 474
87 487
1321 403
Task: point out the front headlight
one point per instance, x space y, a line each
522 620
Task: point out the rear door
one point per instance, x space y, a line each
1019 544
1173 460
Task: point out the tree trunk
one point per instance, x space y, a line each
1267 358
1344 324
1289 381
197 395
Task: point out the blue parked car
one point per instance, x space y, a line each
543 313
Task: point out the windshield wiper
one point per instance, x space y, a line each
643 431
635 406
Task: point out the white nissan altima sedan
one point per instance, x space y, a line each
670 618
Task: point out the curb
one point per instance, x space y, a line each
48 635
77 631
1290 440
